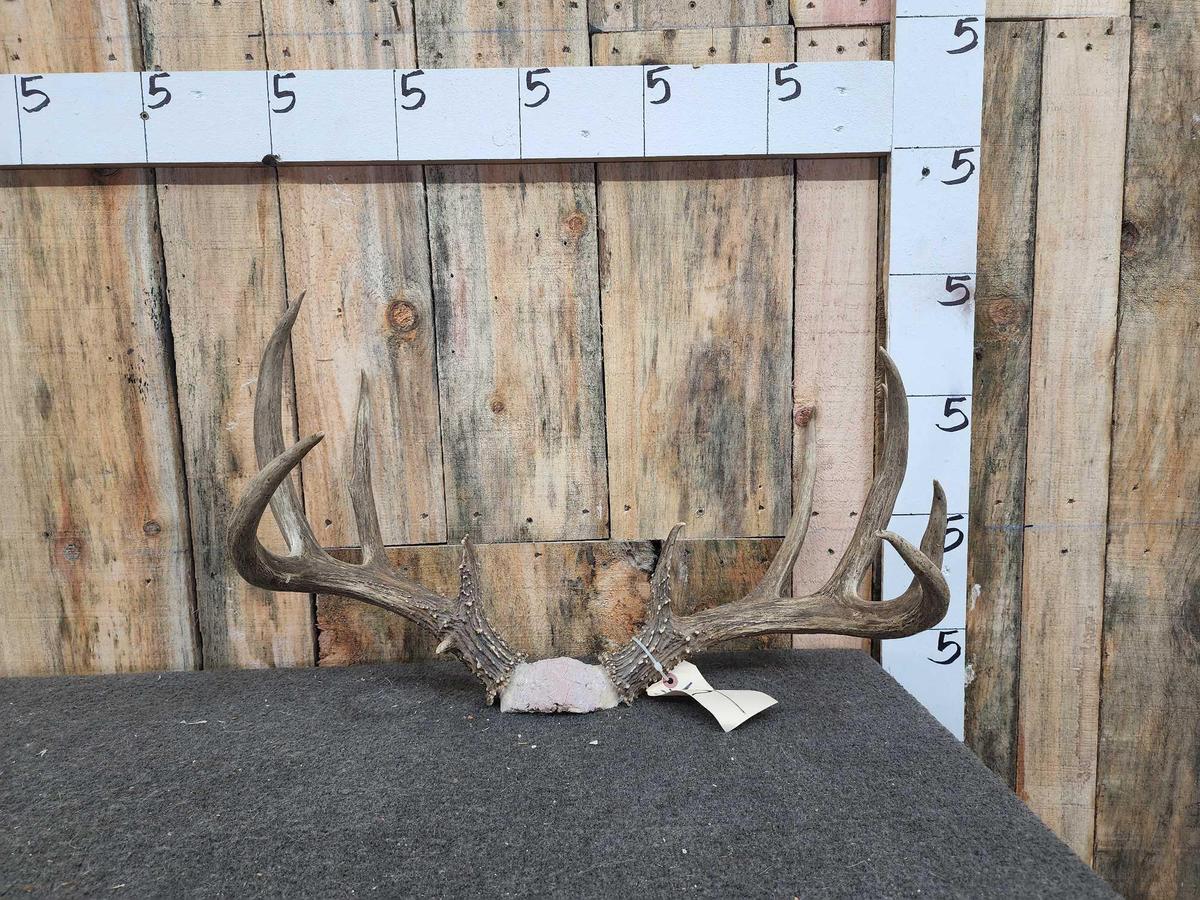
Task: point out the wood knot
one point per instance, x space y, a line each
576 224
403 317
496 405
803 413
151 528
1130 235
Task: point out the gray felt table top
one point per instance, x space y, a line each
397 781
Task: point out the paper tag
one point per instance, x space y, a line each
730 708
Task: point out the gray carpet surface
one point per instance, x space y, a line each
398 781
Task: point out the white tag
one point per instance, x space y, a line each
730 708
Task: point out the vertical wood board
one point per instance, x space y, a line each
696 272
836 293
1148 801
94 535
224 267
1085 80
516 306
1003 316
356 239
94 532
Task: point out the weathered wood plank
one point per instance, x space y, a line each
94 549
545 598
694 46
1148 804
356 239
1085 82
812 13
818 13
516 305
224 264
1003 319
836 284
696 283
649 15
548 599
1055 9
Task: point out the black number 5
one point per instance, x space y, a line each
27 91
781 80
944 644
532 84
156 89
955 283
949 411
960 160
961 29
653 81
953 543
406 91
289 96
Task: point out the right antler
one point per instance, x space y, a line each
459 621
835 608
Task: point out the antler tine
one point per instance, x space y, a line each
268 434
881 498
254 562
362 495
933 547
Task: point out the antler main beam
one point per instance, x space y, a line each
836 608
459 621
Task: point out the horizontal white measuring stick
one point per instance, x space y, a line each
435 115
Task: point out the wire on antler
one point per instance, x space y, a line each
459 621
836 608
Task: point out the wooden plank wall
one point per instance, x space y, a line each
562 357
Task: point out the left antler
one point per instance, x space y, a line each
459 621
836 608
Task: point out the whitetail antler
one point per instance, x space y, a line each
836 608
664 640
459 621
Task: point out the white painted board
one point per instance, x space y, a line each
897 576
343 114
932 667
931 331
205 117
577 112
10 135
458 114
938 82
81 118
829 108
717 110
939 447
935 210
